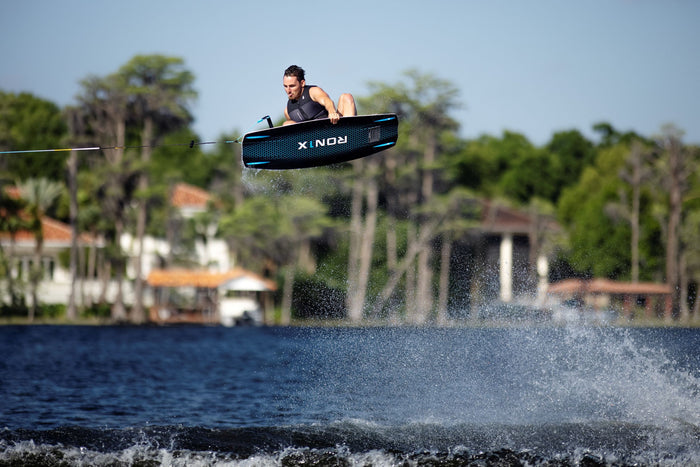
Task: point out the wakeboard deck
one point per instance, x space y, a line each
319 142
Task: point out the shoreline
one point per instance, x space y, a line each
466 324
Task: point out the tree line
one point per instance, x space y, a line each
370 239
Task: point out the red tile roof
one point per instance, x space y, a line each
190 196
54 232
13 192
201 278
498 218
606 286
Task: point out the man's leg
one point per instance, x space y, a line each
346 105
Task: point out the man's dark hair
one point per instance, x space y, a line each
295 71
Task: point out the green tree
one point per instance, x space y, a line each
303 219
529 172
424 103
28 122
598 244
513 167
690 260
477 164
93 220
635 174
159 90
77 133
460 210
40 194
573 153
250 229
610 136
174 160
104 104
675 164
279 231
365 193
509 166
11 222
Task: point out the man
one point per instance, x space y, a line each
308 102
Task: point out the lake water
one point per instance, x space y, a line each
74 395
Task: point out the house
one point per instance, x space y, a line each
232 290
516 233
56 283
604 294
200 296
210 290
209 252
501 262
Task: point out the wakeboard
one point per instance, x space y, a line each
319 142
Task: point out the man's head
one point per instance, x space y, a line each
296 71
294 82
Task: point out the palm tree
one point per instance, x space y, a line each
40 194
76 130
11 221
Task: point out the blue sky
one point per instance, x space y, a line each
534 67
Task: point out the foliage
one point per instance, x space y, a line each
426 190
158 87
50 311
598 241
572 153
174 160
28 122
315 298
98 310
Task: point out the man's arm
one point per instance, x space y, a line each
289 120
320 96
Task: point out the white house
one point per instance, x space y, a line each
233 297
211 256
55 287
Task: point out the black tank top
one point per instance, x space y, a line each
305 108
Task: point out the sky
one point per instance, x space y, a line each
533 67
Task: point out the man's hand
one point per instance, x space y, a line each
334 116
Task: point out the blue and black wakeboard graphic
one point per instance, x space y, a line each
319 142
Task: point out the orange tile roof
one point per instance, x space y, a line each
188 195
13 192
183 195
54 231
608 287
499 219
201 278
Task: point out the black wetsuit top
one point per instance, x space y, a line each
305 108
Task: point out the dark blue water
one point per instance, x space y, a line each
375 396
